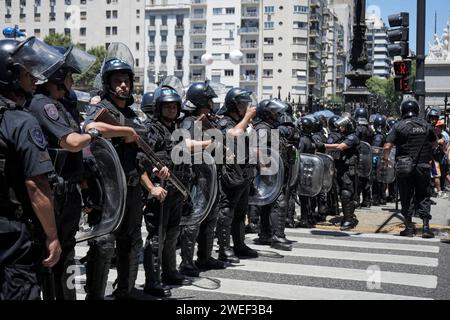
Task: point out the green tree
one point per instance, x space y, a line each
384 90
59 40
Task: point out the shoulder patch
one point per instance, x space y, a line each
51 111
223 123
37 137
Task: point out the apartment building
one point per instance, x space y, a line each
336 57
284 35
167 41
90 23
380 64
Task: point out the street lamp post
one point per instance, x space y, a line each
420 59
357 93
445 109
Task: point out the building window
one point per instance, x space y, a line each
269 9
300 9
268 56
138 30
268 41
300 25
268 25
268 73
137 46
83 15
229 73
229 11
114 30
108 31
82 32
217 11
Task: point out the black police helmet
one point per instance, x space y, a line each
433 114
332 122
269 109
198 96
148 102
9 73
348 123
307 125
234 97
409 108
391 123
165 95
379 122
361 113
119 66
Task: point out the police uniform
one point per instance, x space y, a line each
333 196
320 201
273 216
235 182
378 188
57 123
306 145
202 233
160 140
414 137
23 154
346 173
128 236
364 134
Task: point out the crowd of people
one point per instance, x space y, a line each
44 190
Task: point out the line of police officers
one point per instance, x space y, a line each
38 226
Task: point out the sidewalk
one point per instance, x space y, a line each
371 220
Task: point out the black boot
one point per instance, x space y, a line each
175 279
245 252
409 231
153 285
426 231
98 263
187 238
281 243
211 264
226 254
263 240
127 267
349 222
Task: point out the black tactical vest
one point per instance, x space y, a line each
416 144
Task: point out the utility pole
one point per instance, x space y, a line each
420 59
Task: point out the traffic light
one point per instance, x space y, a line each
402 79
398 35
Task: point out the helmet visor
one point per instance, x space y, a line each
174 83
342 122
215 89
79 60
246 100
277 106
119 51
38 58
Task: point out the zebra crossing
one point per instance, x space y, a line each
323 265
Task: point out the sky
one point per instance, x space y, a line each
389 7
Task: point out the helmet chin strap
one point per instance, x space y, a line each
18 90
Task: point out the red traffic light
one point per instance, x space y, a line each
402 68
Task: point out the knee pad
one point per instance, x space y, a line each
346 196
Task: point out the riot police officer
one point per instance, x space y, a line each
433 116
346 166
392 187
307 146
117 79
27 221
198 108
148 103
414 139
378 188
273 216
236 178
364 134
334 137
66 142
319 139
166 212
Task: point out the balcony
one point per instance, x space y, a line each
198 47
163 46
247 61
198 16
198 31
152 28
249 46
179 73
197 78
179 46
315 4
163 27
314 17
163 67
250 15
249 78
151 67
248 30
196 62
198 3
151 48
246 2
314 34
314 48
179 28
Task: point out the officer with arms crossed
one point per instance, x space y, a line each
415 140
27 221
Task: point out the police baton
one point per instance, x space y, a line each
48 284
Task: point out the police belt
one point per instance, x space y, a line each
61 186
